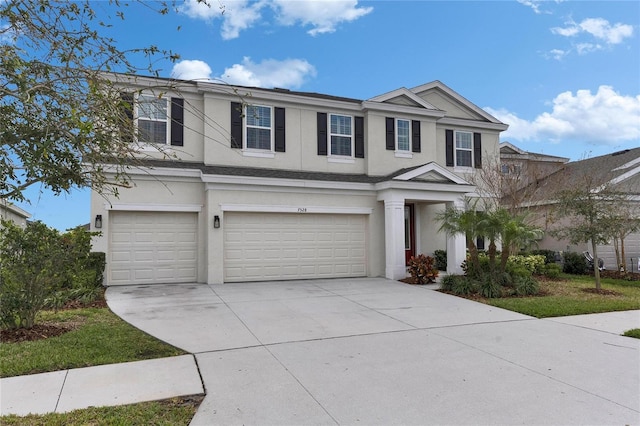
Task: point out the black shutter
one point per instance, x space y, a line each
415 137
279 130
477 150
449 147
236 125
359 124
126 125
322 133
391 133
177 121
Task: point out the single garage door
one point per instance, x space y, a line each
632 251
152 247
282 246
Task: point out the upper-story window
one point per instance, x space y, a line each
341 132
258 127
464 149
152 119
403 135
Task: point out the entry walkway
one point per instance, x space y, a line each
368 351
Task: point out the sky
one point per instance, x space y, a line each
565 75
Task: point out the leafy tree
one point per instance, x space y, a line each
589 207
622 222
61 118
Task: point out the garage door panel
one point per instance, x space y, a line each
152 247
291 246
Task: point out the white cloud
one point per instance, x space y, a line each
191 70
603 118
289 73
322 15
238 15
535 5
556 54
599 28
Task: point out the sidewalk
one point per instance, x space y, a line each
104 385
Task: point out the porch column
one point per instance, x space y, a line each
395 267
456 247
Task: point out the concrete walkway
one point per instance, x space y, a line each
367 351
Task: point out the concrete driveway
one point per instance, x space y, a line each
374 351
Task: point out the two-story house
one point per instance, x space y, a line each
272 184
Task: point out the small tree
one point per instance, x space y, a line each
30 271
588 207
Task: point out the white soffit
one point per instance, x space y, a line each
432 168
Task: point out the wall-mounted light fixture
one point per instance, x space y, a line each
216 221
98 222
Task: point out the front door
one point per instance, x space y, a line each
409 233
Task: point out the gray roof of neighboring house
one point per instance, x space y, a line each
620 170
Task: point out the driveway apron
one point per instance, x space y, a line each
375 351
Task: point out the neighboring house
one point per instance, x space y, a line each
272 184
520 170
619 171
13 213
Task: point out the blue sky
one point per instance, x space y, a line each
565 75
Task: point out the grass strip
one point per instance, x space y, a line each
174 411
568 297
100 337
634 332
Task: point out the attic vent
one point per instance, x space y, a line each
624 151
281 89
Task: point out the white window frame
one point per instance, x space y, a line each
258 152
337 157
456 149
403 153
167 119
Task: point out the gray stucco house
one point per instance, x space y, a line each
273 184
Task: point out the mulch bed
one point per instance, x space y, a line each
46 330
602 291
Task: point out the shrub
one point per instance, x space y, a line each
30 271
447 282
441 259
533 263
421 268
575 263
526 286
489 288
96 263
549 255
551 270
463 285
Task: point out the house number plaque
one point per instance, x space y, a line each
302 209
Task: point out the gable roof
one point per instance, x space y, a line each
438 86
619 171
510 151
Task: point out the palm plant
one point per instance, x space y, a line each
516 234
455 221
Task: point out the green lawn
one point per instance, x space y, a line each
101 337
175 411
566 297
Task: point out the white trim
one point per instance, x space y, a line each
340 159
472 124
432 167
187 208
403 91
252 182
249 152
301 209
629 164
403 154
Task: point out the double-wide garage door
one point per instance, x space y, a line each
152 247
281 246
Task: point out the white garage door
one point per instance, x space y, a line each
281 246
631 249
152 247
